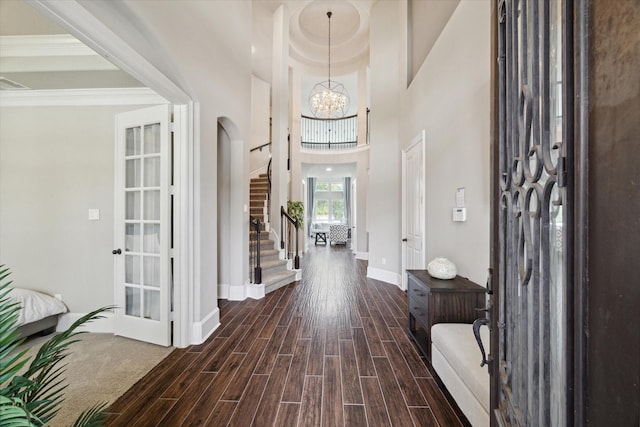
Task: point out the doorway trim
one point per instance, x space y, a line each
94 33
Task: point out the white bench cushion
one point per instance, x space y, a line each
457 344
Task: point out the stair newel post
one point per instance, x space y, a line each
296 259
258 269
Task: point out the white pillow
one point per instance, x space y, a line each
35 305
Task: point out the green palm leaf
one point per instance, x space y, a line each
35 397
94 417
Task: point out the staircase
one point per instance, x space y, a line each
274 270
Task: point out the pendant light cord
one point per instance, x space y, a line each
329 15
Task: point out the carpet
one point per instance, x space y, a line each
100 368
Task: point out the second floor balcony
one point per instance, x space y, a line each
331 134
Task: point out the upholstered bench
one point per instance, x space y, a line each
456 358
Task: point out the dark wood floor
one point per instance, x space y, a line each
330 350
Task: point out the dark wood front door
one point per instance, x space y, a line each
532 222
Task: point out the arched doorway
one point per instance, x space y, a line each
233 216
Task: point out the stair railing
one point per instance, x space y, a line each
286 224
255 271
269 186
329 134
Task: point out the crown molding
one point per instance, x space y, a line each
43 45
94 33
80 97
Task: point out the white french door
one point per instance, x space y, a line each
143 225
413 218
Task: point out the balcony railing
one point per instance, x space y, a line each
329 134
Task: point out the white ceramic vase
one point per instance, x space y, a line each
442 268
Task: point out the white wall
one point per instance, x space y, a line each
384 173
206 48
55 164
224 198
260 114
450 98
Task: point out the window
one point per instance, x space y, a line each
329 204
322 210
337 210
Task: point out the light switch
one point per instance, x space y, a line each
94 214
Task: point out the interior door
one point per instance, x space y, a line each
143 225
532 321
413 254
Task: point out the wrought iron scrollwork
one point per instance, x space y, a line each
532 176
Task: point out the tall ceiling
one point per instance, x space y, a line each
39 54
308 34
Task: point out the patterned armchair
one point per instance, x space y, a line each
338 233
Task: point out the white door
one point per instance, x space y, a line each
143 225
413 218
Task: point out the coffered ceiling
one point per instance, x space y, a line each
35 53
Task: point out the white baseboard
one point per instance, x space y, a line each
384 275
223 291
362 255
106 325
241 292
203 329
274 236
255 290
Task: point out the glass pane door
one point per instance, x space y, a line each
143 225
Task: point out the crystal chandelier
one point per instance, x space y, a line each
328 99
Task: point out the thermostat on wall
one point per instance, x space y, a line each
459 214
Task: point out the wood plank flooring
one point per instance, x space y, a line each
330 350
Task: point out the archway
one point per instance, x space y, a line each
233 216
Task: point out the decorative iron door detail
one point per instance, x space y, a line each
532 305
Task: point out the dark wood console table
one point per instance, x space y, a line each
433 301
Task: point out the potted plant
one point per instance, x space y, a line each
34 397
295 209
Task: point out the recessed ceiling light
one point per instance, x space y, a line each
328 169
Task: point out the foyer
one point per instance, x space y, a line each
328 350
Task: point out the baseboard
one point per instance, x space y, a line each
241 292
223 291
274 236
203 329
384 275
255 290
105 325
362 255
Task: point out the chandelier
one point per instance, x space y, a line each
328 99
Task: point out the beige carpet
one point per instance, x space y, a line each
101 367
